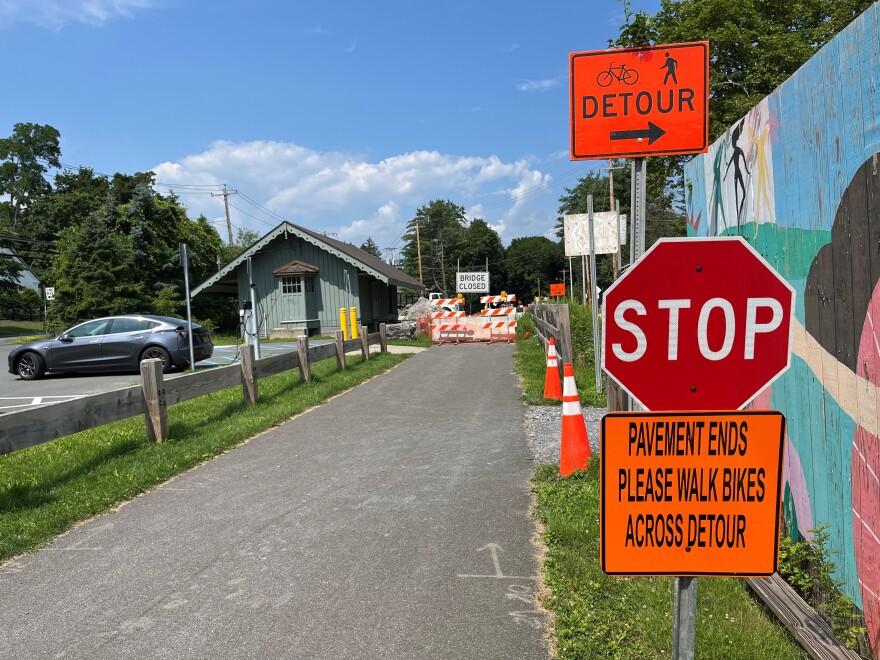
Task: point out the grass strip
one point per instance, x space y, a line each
598 616
531 365
46 489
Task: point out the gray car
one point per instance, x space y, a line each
112 343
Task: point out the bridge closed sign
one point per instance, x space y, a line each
691 493
472 282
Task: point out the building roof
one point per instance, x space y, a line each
225 281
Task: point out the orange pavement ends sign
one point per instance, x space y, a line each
690 493
557 290
633 102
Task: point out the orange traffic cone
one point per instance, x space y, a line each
552 390
575 449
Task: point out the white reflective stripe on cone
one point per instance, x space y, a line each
571 407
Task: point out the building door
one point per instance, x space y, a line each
293 306
311 300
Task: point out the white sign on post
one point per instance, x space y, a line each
472 283
577 233
50 293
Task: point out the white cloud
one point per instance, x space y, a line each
54 14
357 198
352 47
537 85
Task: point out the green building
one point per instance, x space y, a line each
301 280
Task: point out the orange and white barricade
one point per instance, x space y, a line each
469 329
485 300
445 302
500 311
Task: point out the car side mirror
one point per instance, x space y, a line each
65 338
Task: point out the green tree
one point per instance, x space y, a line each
96 275
370 247
25 157
480 244
244 238
438 229
532 263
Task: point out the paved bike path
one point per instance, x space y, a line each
391 522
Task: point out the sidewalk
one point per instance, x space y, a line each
391 522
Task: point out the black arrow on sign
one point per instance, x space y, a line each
653 133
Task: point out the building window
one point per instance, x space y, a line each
291 285
310 285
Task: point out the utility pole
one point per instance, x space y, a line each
442 266
419 250
225 195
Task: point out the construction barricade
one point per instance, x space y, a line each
456 328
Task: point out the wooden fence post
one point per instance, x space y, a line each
305 369
248 373
383 338
156 412
563 326
340 350
365 343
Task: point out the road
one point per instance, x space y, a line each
391 522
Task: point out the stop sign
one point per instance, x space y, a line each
697 324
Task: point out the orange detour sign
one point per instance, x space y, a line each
691 493
557 290
630 102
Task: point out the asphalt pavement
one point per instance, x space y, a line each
392 522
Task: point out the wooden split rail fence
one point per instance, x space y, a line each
26 428
553 321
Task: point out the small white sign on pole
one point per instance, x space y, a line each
472 282
577 234
50 293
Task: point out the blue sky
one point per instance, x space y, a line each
342 116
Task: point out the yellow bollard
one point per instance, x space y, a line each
352 315
343 323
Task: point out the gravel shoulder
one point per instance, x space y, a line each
544 430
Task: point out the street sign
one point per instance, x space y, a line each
690 493
576 233
697 324
50 293
472 282
632 102
557 290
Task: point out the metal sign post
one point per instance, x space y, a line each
597 348
254 324
184 259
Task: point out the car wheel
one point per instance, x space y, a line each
31 366
157 352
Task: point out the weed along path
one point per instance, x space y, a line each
391 522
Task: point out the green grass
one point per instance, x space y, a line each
420 339
598 616
45 490
531 365
19 328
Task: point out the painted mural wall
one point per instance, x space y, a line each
798 178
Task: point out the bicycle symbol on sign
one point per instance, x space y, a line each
619 73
